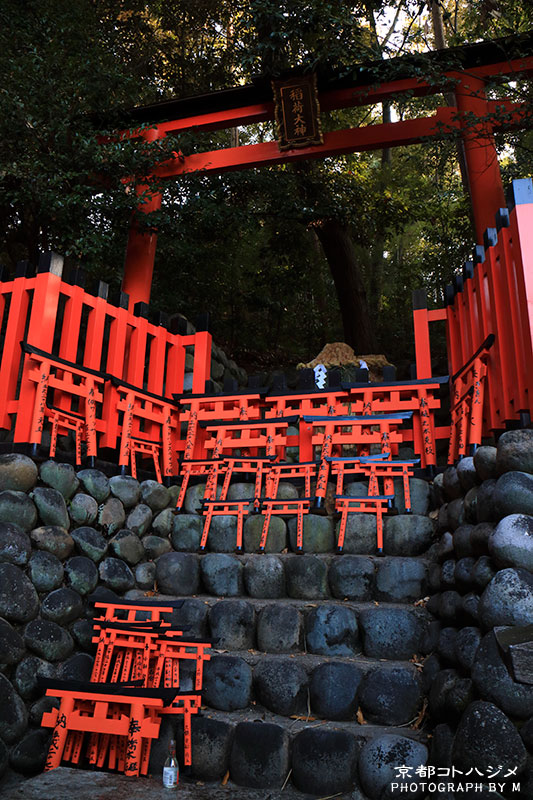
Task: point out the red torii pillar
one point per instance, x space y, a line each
484 177
141 247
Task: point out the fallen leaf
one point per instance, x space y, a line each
303 717
225 779
360 718
376 603
419 720
422 602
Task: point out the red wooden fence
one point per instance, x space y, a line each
84 332
493 297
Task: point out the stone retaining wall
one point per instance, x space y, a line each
316 668
483 579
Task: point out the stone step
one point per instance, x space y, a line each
263 750
324 627
403 534
308 577
385 693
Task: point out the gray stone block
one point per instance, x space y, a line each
223 534
484 507
178 574
260 755
306 577
361 534
456 513
420 492
351 577
380 758
391 695
192 617
333 690
194 496
466 644
318 535
450 484
279 629
281 685
277 534
462 541
324 761
232 624
407 535
394 633
222 575
332 631
227 683
186 532
401 579
264 576
76 668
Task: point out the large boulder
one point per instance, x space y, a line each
264 576
227 683
380 758
391 695
333 689
279 629
513 494
486 736
48 639
515 451
392 633
90 543
511 542
508 599
95 483
232 624
495 684
45 571
352 577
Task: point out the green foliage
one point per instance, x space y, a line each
242 245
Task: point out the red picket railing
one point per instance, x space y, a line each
71 331
491 300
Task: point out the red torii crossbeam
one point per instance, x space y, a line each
463 70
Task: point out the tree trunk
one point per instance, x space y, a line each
340 254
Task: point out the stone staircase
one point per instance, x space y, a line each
317 673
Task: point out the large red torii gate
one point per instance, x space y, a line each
474 117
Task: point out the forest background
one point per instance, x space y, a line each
285 258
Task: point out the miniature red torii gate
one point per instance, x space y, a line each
250 104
